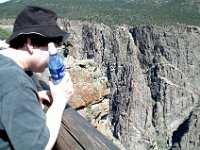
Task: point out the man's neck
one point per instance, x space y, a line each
19 56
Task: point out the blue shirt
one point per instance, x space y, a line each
22 120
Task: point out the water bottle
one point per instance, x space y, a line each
55 64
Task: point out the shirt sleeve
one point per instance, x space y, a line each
24 120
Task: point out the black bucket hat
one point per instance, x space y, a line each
37 20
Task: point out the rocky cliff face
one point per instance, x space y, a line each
154 78
171 57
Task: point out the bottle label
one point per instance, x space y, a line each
57 74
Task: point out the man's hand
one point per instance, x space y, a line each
62 91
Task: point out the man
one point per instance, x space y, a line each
23 123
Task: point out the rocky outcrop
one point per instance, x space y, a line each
171 57
153 73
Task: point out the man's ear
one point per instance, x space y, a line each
29 46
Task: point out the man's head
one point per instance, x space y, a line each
33 29
41 22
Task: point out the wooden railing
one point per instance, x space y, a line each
76 133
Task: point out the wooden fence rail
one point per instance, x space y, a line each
76 133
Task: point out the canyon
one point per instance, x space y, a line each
153 74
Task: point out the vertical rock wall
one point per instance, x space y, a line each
154 75
171 57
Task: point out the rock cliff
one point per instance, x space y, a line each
153 74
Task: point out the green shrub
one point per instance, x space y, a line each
89 112
114 12
4 34
161 144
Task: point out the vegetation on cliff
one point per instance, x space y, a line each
4 34
112 12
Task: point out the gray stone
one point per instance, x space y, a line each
154 75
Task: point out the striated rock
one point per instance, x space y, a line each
90 84
187 134
117 53
153 73
171 57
